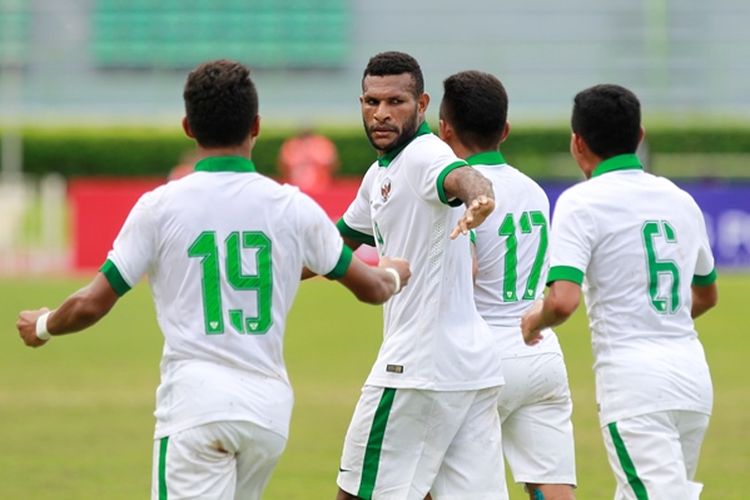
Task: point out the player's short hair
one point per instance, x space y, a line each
475 104
395 63
221 103
608 118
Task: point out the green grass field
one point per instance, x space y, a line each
76 416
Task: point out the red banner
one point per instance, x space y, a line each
100 206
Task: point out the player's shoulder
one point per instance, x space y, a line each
426 147
579 198
509 181
674 192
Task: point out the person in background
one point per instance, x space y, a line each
308 160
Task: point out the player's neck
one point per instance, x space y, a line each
463 151
244 150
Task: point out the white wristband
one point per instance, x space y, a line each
41 327
396 278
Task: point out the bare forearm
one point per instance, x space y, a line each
704 298
467 184
75 314
83 308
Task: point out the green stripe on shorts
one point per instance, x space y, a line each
163 468
375 444
627 464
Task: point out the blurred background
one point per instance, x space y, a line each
90 96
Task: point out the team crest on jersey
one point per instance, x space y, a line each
385 189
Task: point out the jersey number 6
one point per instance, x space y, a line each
651 229
205 248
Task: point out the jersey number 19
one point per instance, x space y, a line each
205 248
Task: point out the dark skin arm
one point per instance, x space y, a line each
79 311
560 303
704 298
475 191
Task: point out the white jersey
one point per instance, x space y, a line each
223 249
433 336
512 258
639 241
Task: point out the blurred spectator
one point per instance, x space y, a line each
308 161
185 166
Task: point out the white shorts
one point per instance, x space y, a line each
404 443
219 460
535 410
655 455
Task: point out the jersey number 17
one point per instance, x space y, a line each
508 228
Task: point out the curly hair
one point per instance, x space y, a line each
395 63
608 118
476 105
221 103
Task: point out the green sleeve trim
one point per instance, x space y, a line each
473 236
353 234
705 280
116 281
342 266
441 180
565 273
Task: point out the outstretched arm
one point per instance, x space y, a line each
561 301
81 310
475 191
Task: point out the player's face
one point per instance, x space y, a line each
391 113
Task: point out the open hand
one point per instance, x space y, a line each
475 214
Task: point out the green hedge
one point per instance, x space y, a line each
153 152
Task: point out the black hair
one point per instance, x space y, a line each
475 104
395 63
221 103
608 118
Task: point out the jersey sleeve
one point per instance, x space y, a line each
571 240
323 250
430 162
134 249
356 223
705 270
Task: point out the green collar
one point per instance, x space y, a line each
388 157
486 158
225 164
619 162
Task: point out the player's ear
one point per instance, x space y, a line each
445 130
505 132
255 127
577 145
423 102
186 127
641 135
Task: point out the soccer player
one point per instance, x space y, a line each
512 263
426 419
638 245
223 248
